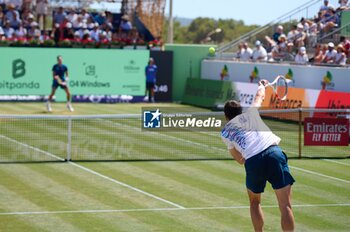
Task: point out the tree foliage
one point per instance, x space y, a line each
201 30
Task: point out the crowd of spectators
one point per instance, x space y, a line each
291 46
27 20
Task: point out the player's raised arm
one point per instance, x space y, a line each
260 94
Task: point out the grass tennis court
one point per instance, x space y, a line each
159 195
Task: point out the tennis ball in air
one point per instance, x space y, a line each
211 50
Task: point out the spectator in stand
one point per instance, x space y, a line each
319 55
325 6
292 34
2 34
34 32
125 26
95 33
21 32
27 18
346 45
280 51
77 23
343 5
100 18
68 32
56 33
240 50
259 53
8 30
108 33
84 14
330 54
16 3
59 16
89 23
2 5
12 15
275 37
247 54
42 11
329 20
44 36
2 16
301 57
77 37
300 37
340 57
72 16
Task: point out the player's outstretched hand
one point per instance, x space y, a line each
263 83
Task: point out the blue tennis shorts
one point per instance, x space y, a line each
269 165
55 85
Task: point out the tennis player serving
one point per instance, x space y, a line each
251 142
60 78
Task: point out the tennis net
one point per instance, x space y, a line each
121 138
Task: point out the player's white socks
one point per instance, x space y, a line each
48 106
70 107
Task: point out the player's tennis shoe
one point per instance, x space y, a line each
70 107
48 106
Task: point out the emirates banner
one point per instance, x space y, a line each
326 132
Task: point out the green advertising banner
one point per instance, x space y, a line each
28 71
207 93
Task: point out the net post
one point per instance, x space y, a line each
69 135
300 132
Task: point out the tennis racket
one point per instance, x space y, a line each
279 86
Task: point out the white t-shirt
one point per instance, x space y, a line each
330 54
248 134
259 53
246 54
301 59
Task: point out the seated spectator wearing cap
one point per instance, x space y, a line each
34 32
247 53
42 11
12 15
340 57
59 16
84 14
330 54
259 53
301 57
281 51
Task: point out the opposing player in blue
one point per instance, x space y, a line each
151 79
251 142
60 79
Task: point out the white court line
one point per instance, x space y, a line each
319 174
31 147
96 173
337 162
166 209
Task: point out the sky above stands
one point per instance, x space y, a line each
257 12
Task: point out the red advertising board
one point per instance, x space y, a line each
326 132
332 100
